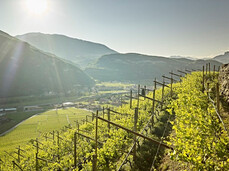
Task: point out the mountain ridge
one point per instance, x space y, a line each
223 58
26 70
138 68
79 51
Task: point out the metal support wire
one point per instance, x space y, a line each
218 115
158 148
144 129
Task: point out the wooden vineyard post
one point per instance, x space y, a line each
93 116
209 68
217 98
94 163
109 118
75 149
171 86
154 94
206 69
207 89
153 106
13 164
53 135
96 142
36 161
155 83
130 99
58 138
19 153
103 111
58 145
203 80
138 96
163 89
37 147
144 92
214 71
78 127
135 137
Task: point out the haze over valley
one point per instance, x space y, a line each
114 85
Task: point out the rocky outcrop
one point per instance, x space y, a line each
224 81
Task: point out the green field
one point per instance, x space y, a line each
114 84
14 118
38 124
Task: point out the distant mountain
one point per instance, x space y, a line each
139 68
25 71
78 51
223 58
191 58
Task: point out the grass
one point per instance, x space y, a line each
113 92
115 84
38 124
15 118
27 101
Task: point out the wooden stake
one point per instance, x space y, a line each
155 84
75 150
58 144
171 86
96 141
130 99
153 105
53 135
93 115
37 145
206 69
209 68
86 119
138 96
109 118
162 92
103 111
214 70
94 163
203 80
36 161
217 98
18 153
135 137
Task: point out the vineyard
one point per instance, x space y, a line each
178 116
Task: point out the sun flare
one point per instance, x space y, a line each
37 7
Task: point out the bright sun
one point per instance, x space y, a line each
37 7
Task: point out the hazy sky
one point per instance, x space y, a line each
197 28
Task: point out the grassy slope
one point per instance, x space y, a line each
198 137
15 118
36 125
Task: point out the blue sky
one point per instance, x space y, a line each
196 28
